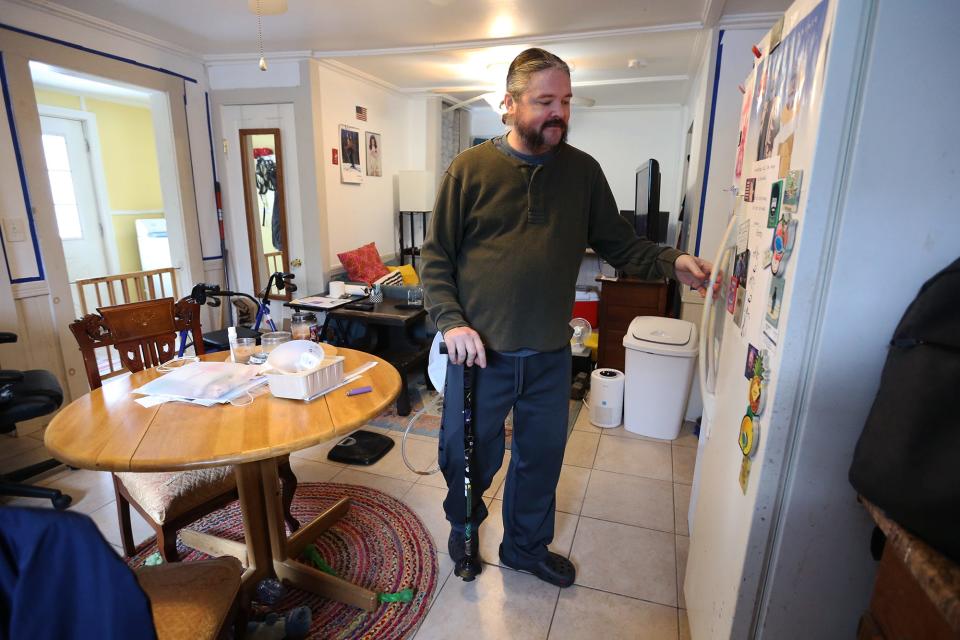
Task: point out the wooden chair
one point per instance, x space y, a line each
192 600
144 334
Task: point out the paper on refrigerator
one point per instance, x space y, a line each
763 174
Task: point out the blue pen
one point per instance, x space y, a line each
359 390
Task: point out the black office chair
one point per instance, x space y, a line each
25 395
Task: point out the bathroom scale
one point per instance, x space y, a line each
361 447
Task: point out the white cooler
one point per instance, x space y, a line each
660 358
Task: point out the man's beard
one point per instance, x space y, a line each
533 138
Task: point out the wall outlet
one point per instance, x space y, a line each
15 229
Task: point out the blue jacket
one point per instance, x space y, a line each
60 579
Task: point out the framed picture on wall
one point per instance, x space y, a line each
373 154
350 171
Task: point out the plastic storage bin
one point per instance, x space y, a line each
306 385
660 358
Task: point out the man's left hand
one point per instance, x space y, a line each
693 272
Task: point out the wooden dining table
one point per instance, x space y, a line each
107 430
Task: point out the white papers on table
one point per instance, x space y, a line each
203 383
320 302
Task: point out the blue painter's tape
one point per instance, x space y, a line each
23 183
94 51
706 166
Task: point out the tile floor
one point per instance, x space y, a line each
617 491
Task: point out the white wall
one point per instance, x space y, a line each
621 140
365 212
484 122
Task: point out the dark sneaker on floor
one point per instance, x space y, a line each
553 568
455 545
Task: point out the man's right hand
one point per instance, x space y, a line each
464 345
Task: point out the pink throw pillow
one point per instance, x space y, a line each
363 264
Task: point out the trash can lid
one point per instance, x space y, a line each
665 336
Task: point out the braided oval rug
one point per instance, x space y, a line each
379 544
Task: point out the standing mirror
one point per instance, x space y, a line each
266 216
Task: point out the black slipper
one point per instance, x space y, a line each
553 568
455 546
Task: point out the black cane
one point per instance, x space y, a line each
469 566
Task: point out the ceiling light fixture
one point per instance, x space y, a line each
265 8
263 61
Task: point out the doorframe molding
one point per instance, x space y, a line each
18 49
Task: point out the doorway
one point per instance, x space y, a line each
70 171
100 143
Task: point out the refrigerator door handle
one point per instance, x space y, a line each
706 319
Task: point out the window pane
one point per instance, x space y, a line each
68 221
61 185
55 151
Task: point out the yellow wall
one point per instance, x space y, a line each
129 153
57 99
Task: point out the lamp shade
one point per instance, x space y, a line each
418 190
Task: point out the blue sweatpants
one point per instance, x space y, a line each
537 388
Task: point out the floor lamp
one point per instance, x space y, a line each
417 190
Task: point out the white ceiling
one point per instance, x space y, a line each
459 48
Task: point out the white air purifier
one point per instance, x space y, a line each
606 398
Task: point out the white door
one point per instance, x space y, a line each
74 197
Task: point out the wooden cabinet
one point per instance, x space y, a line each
622 300
916 594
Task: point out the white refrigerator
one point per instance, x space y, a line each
757 352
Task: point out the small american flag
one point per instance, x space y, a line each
362 113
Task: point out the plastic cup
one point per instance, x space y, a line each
270 341
242 348
415 296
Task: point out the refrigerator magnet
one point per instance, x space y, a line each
756 391
749 368
749 434
744 474
732 294
773 212
791 190
781 245
775 301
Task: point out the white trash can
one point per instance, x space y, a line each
660 358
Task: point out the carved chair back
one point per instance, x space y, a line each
144 333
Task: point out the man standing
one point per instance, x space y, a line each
512 220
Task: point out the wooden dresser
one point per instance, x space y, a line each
916 594
622 300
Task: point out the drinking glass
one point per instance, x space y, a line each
415 296
270 341
243 348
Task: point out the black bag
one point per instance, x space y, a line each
907 461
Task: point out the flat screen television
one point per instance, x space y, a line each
649 222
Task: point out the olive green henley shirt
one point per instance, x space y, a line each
507 238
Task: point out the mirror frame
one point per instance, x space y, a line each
253 226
